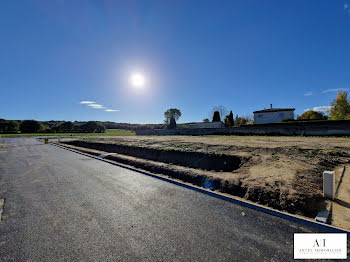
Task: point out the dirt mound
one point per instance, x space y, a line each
205 161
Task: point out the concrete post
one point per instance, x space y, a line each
328 184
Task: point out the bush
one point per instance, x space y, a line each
312 115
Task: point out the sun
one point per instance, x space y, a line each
137 80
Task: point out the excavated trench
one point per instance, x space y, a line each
199 160
306 203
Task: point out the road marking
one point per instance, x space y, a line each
2 201
102 156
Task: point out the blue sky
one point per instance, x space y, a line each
194 55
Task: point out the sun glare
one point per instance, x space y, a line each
137 80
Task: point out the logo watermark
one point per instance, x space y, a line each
320 246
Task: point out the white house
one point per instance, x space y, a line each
273 115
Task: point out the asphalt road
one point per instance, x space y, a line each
64 206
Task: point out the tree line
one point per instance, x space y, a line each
33 126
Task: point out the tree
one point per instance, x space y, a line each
216 116
8 126
340 107
222 111
206 120
248 118
172 123
237 120
30 126
171 113
66 127
3 125
230 118
101 128
12 126
242 121
312 115
227 121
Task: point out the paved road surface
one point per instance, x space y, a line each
64 206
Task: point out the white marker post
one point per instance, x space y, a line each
328 184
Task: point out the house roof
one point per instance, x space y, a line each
274 110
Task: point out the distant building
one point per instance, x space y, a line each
207 125
273 115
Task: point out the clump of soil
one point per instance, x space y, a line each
283 177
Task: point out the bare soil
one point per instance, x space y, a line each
282 172
341 205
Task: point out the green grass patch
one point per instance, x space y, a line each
119 132
109 132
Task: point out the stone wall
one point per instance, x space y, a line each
307 128
207 125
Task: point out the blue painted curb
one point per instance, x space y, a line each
319 226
